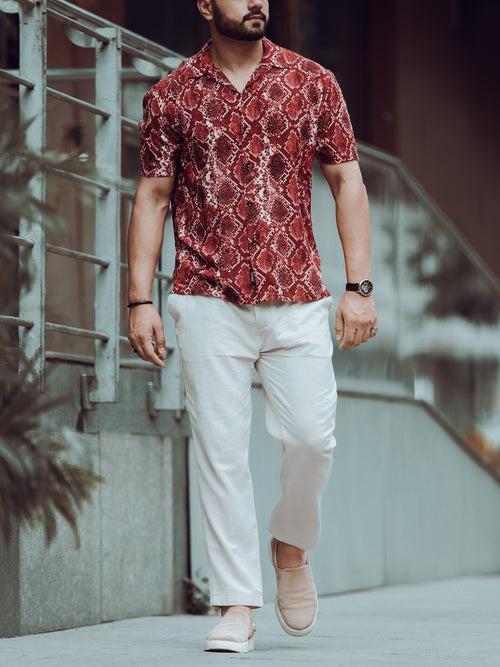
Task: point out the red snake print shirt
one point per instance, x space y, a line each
241 203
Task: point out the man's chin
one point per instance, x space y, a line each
246 35
254 35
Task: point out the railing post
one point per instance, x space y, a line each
32 105
170 395
107 218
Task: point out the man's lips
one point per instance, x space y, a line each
256 17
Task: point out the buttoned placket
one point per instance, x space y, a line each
244 139
220 76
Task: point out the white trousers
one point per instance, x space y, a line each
291 348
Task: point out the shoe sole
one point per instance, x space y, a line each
294 632
223 645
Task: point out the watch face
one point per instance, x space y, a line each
366 286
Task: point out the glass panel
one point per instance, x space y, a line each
450 333
377 365
438 308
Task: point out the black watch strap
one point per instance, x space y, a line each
364 287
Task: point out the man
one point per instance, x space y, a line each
228 139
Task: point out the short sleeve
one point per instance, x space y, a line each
159 137
335 141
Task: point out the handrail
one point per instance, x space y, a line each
77 25
128 38
77 74
15 78
71 99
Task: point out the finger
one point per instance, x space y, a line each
151 354
139 342
140 351
365 334
348 339
339 324
160 342
134 343
356 339
157 347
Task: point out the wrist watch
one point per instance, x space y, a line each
364 287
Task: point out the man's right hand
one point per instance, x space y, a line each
145 333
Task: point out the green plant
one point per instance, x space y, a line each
197 598
41 473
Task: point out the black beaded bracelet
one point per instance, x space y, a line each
137 303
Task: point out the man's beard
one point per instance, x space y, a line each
238 29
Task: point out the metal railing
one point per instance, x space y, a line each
109 41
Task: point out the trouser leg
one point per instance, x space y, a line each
300 394
217 368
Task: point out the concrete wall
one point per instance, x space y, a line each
405 502
126 563
134 552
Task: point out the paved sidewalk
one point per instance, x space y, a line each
449 622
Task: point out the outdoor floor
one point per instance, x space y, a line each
447 622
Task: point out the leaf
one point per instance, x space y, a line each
38 481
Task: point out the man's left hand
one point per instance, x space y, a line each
354 318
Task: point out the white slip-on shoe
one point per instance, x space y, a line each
233 632
296 602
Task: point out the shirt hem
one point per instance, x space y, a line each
283 299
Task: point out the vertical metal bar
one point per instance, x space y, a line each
107 231
170 395
32 105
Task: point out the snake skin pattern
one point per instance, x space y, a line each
241 203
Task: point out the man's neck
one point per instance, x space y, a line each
234 56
